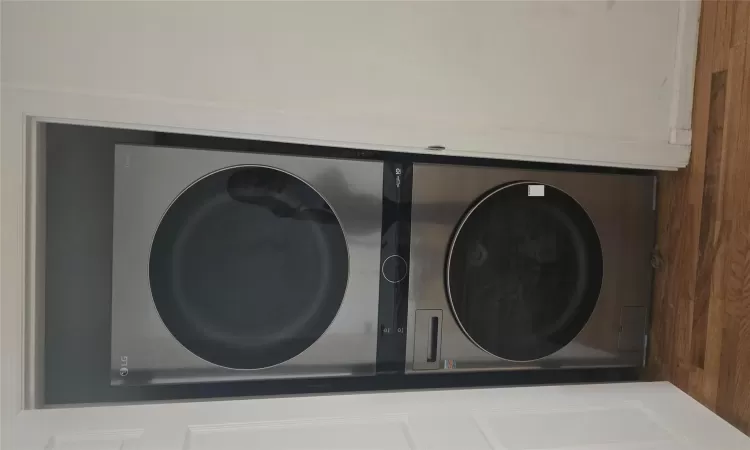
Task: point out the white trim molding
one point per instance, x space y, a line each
686 52
120 111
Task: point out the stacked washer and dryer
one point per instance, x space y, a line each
248 266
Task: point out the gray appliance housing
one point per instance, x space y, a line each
147 181
621 208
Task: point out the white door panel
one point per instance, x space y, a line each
606 83
632 416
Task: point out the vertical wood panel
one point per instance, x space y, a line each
700 335
725 10
709 227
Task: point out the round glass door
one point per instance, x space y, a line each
524 271
248 267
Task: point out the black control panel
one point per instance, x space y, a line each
394 267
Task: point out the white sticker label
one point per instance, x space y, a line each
536 190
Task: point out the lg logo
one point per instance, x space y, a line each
123 366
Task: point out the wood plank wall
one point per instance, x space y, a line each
700 328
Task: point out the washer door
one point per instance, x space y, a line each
524 271
248 267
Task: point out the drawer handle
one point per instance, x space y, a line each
433 340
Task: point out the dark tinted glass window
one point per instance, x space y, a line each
524 271
248 267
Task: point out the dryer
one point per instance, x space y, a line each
240 266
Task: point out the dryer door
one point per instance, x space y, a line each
248 267
524 271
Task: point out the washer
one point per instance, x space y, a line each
526 269
230 265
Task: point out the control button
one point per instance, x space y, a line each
394 268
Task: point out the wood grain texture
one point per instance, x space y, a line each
700 329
